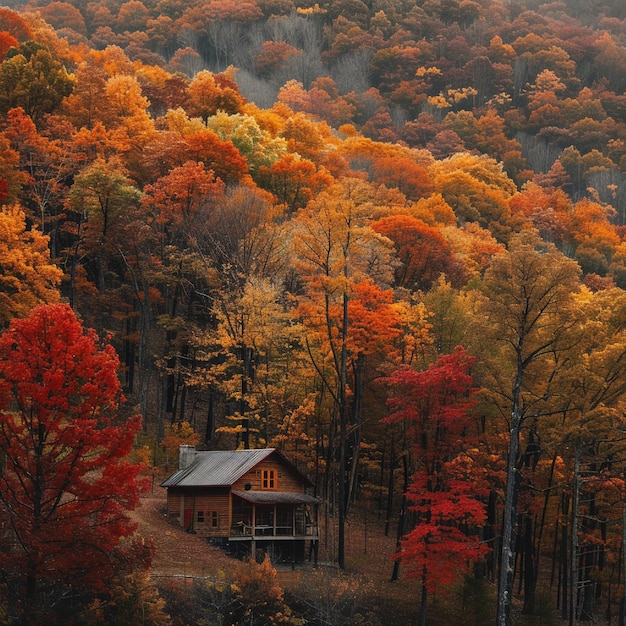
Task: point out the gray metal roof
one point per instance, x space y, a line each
276 497
217 468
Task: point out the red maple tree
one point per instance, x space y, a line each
447 485
65 485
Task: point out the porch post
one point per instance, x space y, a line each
253 531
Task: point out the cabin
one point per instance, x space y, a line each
245 501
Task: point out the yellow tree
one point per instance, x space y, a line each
255 360
27 276
526 318
478 190
31 78
336 254
246 245
589 435
209 93
256 144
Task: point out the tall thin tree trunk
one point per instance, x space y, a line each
530 573
390 484
574 542
396 564
423 605
563 561
622 608
357 403
343 375
507 555
243 404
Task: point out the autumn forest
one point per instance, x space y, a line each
386 237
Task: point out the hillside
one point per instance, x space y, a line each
180 554
387 238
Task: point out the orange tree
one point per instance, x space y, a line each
65 486
348 317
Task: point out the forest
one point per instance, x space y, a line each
386 237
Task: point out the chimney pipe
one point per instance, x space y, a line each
186 455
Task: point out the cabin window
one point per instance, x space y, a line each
268 479
214 522
200 517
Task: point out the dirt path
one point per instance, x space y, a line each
180 554
177 552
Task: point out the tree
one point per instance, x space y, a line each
11 178
292 180
209 93
7 42
257 597
423 253
527 300
188 140
45 165
478 190
13 23
62 15
336 249
256 144
102 195
273 57
405 174
132 16
33 79
594 384
181 202
65 485
27 276
134 601
178 208
447 490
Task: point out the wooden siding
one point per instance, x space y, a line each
286 479
212 514
207 511
173 507
204 511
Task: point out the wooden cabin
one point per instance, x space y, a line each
245 501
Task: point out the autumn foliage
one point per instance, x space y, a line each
66 485
448 488
267 207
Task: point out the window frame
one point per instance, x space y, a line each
269 479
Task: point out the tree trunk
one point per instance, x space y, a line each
622 608
396 564
574 543
390 484
530 571
507 556
341 558
355 443
423 606
564 561
243 404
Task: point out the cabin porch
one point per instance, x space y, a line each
280 524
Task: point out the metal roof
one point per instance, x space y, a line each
276 497
217 468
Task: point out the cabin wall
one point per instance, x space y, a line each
205 512
285 479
